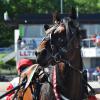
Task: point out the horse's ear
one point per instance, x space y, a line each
56 16
73 13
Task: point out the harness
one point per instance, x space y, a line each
58 58
58 94
56 91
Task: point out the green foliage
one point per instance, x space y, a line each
85 6
88 6
6 35
16 7
9 65
2 55
1 65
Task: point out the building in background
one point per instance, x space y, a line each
30 29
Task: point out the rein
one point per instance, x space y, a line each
80 72
21 88
57 58
35 91
17 87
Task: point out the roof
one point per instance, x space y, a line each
47 19
35 18
89 18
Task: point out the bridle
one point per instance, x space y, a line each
64 50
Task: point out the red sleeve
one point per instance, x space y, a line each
10 86
92 98
94 39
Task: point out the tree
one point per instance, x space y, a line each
6 35
16 7
85 6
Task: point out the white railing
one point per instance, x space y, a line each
8 57
90 48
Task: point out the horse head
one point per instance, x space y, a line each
60 39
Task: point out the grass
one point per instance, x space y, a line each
2 55
7 71
9 67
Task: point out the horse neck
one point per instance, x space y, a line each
68 79
74 54
76 59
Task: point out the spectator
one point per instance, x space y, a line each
98 40
94 38
96 73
